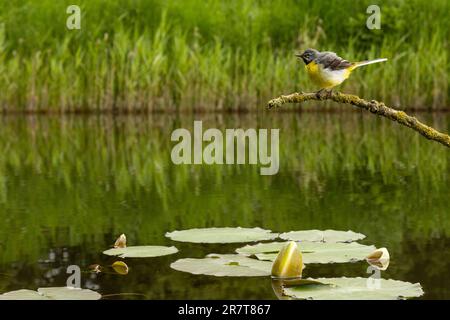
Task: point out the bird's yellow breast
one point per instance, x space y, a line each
326 78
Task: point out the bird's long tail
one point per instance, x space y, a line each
366 62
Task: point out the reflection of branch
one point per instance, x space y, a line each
373 106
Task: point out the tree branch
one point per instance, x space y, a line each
373 106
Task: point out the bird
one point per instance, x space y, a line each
327 70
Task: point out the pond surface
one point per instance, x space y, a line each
69 186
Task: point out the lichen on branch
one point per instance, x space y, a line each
373 106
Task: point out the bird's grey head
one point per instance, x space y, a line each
308 55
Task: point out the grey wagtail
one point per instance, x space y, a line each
327 69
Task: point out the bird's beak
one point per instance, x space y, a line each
299 55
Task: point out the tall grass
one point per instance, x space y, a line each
213 55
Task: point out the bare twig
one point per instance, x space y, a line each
373 106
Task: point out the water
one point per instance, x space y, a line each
70 185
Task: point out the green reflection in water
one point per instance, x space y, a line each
69 186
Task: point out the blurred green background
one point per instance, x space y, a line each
214 55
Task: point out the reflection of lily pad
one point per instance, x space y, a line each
53 293
224 265
141 251
222 235
312 252
322 236
354 289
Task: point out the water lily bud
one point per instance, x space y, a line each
120 267
95 268
121 242
379 259
289 262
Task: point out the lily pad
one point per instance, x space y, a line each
354 289
22 294
224 265
66 293
141 251
222 235
51 293
322 236
279 284
312 252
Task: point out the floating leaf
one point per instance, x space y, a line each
322 236
22 294
354 289
224 265
67 293
141 251
312 252
52 293
288 263
278 286
121 241
120 267
222 235
379 259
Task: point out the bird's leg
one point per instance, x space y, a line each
324 93
320 94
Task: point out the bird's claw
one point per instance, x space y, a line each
323 94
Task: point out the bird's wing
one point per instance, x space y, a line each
330 60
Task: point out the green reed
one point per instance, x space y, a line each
213 55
